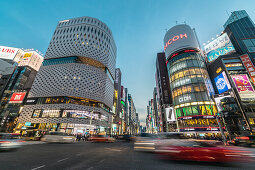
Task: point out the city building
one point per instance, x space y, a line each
241 31
235 95
73 90
6 69
164 94
123 110
189 82
16 90
9 58
132 126
117 117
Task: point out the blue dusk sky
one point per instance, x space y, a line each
138 27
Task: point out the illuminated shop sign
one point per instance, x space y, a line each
244 87
249 66
181 82
234 65
220 46
222 83
175 38
242 83
199 129
185 98
17 97
178 38
8 52
31 101
218 70
178 67
197 117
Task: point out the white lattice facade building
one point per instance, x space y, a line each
77 76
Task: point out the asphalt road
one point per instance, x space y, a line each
94 156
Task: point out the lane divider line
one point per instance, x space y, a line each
62 159
38 167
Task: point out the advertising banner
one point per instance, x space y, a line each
222 83
249 66
17 97
8 52
179 37
220 46
218 102
170 114
242 83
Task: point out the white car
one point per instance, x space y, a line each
58 137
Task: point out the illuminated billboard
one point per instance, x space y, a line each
8 52
170 115
249 66
222 83
244 87
17 97
242 83
179 37
220 46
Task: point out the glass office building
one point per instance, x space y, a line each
241 31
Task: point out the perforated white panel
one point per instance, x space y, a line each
86 37
73 79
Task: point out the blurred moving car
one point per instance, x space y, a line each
101 138
246 141
127 138
145 142
201 151
58 137
10 141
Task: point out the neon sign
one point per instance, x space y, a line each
175 38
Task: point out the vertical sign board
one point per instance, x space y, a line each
249 66
222 82
17 97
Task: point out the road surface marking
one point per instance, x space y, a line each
78 154
62 159
102 161
38 167
90 168
114 149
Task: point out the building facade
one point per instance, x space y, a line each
164 93
235 95
241 31
194 108
73 90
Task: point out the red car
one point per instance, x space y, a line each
200 151
101 138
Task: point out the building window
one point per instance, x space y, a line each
250 44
